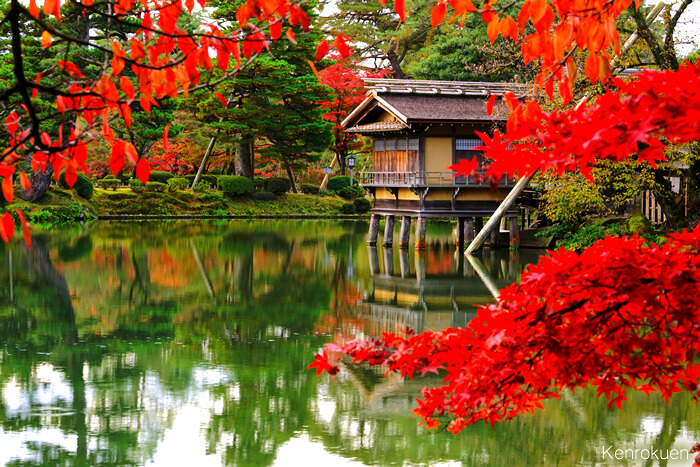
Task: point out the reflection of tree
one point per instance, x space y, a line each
132 369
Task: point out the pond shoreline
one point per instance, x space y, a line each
61 206
139 217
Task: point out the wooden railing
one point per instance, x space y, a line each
422 179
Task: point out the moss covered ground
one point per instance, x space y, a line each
59 205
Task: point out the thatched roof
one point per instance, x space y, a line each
409 102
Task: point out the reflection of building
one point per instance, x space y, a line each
419 128
412 298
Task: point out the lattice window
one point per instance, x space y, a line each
467 144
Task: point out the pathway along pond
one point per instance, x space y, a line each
186 343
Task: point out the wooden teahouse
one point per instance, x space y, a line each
419 128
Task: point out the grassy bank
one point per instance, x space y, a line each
64 206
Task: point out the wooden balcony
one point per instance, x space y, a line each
424 180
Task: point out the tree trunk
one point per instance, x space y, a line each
675 217
203 164
40 183
693 198
291 179
244 157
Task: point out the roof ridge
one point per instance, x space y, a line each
457 88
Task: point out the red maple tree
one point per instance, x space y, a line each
348 92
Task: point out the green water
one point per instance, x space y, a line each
186 344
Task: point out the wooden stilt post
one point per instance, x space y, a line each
495 219
389 261
461 221
514 233
373 260
403 262
421 228
479 225
373 230
389 231
468 229
420 265
493 236
404 236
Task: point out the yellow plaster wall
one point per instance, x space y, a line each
404 193
482 194
438 154
439 194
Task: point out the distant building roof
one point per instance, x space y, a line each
413 101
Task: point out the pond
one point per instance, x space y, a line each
187 343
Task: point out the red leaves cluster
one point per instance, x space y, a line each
622 315
634 119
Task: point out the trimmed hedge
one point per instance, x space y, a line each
112 183
362 205
136 185
309 189
236 185
156 186
278 186
352 192
259 183
177 183
202 187
263 196
348 208
160 176
339 182
210 179
83 185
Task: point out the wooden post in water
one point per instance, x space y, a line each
373 260
389 261
373 230
421 228
403 262
405 235
461 221
468 229
514 232
389 231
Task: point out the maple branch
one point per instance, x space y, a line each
671 27
22 84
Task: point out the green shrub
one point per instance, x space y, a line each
326 193
112 183
210 179
83 185
352 192
278 186
235 185
125 178
210 196
156 186
259 183
160 176
136 185
339 182
309 189
362 205
263 196
201 187
177 183
347 208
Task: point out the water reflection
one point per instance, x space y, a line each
187 343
